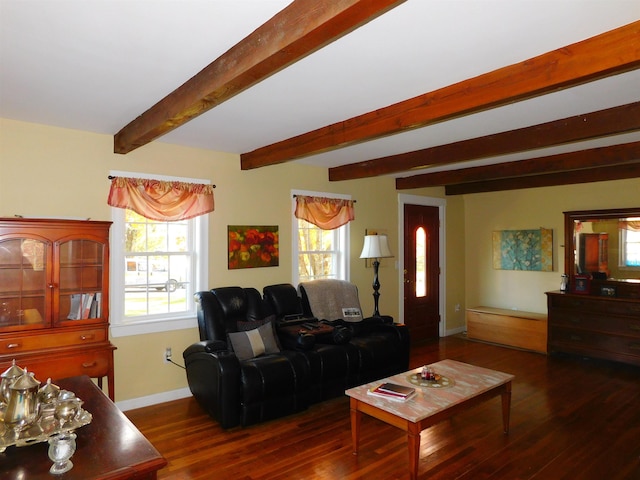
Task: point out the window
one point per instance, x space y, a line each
421 262
630 247
155 269
319 253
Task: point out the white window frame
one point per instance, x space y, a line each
622 257
344 242
122 326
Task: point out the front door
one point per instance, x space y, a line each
421 272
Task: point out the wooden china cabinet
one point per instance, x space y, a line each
54 298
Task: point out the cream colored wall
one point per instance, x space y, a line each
455 264
528 209
47 171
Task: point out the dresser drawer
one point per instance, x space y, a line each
30 343
94 363
595 322
585 341
603 305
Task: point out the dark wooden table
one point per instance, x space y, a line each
109 448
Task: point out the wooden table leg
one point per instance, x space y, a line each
506 406
356 417
111 379
414 450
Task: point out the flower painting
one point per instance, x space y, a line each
252 247
523 250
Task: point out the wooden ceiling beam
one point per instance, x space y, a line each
588 175
612 121
610 53
295 32
572 161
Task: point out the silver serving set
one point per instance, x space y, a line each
31 413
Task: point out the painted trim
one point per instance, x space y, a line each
455 331
120 327
154 399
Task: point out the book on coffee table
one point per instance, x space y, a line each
393 391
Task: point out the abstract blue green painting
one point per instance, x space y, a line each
523 250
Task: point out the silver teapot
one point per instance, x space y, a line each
22 407
8 377
48 393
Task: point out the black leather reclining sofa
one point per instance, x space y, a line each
301 370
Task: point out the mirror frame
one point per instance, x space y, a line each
627 288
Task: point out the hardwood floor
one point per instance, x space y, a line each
571 418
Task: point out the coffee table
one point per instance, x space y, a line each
109 448
471 385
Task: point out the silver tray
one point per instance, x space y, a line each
439 382
41 430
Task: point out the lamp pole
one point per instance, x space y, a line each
376 287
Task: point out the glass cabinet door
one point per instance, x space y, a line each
81 280
24 283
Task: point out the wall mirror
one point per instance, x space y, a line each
604 245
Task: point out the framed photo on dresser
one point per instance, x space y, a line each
582 284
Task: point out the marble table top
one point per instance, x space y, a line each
469 381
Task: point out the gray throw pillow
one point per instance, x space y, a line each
243 326
253 343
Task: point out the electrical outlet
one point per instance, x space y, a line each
167 355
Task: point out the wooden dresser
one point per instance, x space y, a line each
595 326
54 298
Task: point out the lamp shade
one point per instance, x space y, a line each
376 246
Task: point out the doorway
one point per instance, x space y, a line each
422 275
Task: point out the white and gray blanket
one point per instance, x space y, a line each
331 299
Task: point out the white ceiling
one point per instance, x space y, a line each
95 65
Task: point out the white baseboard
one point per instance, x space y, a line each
454 331
154 399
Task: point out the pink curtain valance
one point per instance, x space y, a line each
325 213
629 225
161 200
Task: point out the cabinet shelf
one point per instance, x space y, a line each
11 266
71 291
80 265
22 294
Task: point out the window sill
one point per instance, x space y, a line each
158 326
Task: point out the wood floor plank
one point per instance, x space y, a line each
571 418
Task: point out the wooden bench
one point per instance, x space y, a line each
514 328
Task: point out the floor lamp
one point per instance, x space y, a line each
376 247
